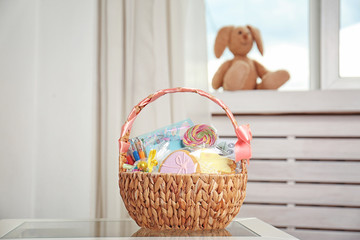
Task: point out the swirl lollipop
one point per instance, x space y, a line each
200 135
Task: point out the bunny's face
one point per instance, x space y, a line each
241 41
238 39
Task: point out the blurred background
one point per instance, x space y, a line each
71 71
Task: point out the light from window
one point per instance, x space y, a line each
349 38
284 25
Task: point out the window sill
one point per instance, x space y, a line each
273 102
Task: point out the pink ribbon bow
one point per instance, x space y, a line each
242 146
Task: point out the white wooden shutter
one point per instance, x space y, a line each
304 176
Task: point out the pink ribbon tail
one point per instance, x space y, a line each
123 146
242 146
242 151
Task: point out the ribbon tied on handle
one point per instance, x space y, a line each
123 146
242 146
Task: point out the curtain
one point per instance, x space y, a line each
144 46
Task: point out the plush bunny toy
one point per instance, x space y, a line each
241 72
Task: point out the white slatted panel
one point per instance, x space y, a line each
305 172
305 194
306 148
302 125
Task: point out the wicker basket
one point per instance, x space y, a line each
180 201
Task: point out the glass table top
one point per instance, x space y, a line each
116 228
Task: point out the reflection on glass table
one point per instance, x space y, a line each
125 229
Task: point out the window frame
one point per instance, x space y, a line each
329 45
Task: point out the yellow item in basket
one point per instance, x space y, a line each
142 165
214 163
152 162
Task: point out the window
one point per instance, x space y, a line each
285 35
337 56
349 37
300 36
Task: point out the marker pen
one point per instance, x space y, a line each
129 157
140 148
135 152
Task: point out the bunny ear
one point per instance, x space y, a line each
257 37
222 40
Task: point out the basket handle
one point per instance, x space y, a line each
243 133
